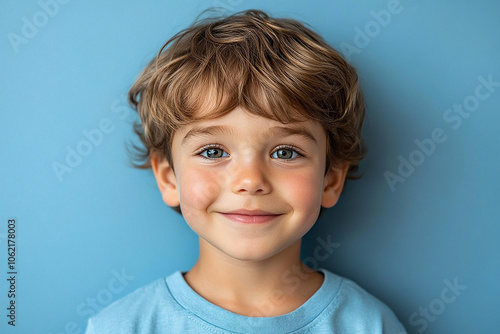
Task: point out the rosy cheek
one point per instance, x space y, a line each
306 192
198 190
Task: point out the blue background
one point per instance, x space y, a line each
77 232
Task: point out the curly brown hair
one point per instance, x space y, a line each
273 67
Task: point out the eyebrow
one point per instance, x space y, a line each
278 131
283 131
202 131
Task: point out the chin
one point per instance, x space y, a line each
252 251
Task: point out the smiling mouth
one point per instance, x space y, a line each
250 218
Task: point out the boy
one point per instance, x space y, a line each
251 125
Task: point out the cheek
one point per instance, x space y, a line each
304 192
198 189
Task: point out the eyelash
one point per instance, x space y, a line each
281 147
291 148
206 148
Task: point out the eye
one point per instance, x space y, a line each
286 153
213 152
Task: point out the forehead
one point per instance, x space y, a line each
240 123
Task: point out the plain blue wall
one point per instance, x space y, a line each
65 70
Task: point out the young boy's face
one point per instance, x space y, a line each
243 161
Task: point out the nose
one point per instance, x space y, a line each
250 177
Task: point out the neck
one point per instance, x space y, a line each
270 287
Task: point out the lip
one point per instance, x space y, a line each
250 216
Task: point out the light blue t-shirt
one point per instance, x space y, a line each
169 305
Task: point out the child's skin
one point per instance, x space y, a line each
241 265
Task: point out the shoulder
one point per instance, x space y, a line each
354 310
135 311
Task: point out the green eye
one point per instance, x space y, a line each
285 153
213 153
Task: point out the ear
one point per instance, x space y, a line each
333 184
165 178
